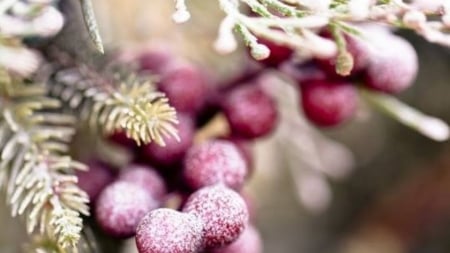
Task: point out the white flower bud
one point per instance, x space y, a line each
20 60
49 23
259 51
414 19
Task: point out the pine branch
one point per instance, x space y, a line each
113 104
36 176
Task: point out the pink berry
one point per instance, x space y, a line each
223 212
185 86
155 60
248 242
328 103
95 179
147 178
393 65
214 162
250 112
174 150
168 231
121 206
278 53
245 149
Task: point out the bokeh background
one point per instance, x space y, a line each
371 185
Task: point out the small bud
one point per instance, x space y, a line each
259 51
181 16
344 63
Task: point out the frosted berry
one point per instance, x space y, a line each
250 111
121 206
147 178
248 242
97 177
223 211
174 151
168 231
393 65
278 53
185 86
245 149
212 162
328 103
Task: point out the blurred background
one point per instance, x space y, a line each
371 185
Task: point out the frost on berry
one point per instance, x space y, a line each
249 242
212 162
185 86
95 179
250 111
328 103
393 65
146 177
121 206
168 231
223 211
174 151
245 149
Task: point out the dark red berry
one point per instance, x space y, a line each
95 179
147 178
185 86
174 150
212 162
121 139
168 231
250 111
393 65
304 72
223 212
248 242
121 206
278 53
328 103
155 60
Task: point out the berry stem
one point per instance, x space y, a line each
431 127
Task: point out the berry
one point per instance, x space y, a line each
278 53
304 72
174 150
121 206
250 112
214 162
328 103
95 179
393 65
168 231
185 86
223 212
155 60
244 147
121 139
145 177
248 242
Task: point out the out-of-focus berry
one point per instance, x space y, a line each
147 178
97 177
249 242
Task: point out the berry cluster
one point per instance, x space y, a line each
375 59
186 197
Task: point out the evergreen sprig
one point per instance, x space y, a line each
34 172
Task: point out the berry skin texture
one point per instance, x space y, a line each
145 177
328 103
121 206
213 162
393 65
223 211
249 242
174 150
94 180
251 113
168 231
185 86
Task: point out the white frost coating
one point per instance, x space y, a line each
223 211
168 231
